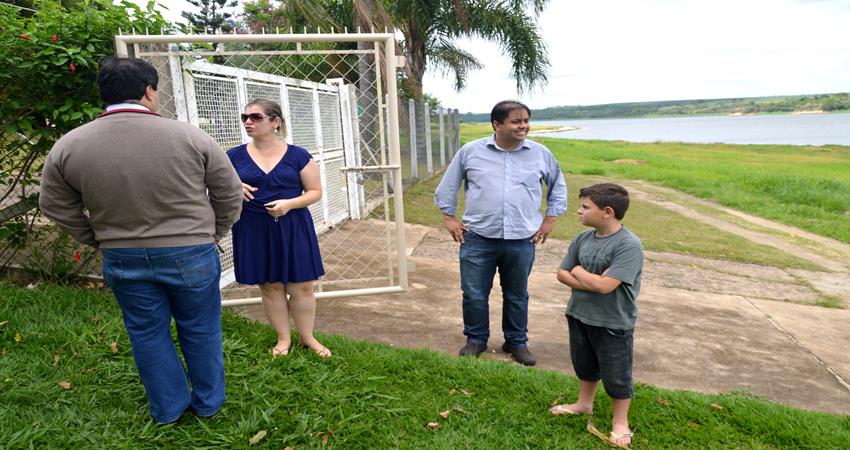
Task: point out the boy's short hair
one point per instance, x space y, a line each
123 79
608 195
504 109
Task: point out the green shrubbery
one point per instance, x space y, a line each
48 70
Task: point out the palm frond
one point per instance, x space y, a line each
452 60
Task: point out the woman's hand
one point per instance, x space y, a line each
278 208
247 192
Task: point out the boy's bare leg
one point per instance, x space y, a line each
584 405
620 422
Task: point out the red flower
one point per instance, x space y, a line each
53 39
77 255
72 68
23 36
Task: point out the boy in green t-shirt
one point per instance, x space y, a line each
603 268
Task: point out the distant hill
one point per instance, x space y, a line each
789 104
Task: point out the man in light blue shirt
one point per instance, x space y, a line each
502 177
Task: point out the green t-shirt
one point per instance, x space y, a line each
622 255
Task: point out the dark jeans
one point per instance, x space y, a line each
152 285
603 353
480 257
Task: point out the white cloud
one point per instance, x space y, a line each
642 50
607 51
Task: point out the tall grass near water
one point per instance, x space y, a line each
805 187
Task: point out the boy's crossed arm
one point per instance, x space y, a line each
579 278
564 276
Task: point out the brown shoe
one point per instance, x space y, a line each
520 354
472 350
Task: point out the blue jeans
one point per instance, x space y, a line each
480 257
152 285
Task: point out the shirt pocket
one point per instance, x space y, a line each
530 178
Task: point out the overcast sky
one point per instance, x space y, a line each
612 51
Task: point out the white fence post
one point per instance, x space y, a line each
443 136
456 120
427 118
181 110
414 163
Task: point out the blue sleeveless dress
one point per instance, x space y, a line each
269 251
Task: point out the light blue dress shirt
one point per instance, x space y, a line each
503 189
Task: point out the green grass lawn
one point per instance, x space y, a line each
366 396
659 229
803 186
806 187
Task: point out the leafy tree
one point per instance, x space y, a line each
28 7
211 16
431 28
264 15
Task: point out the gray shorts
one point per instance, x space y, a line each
605 354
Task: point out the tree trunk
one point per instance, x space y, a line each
367 89
416 60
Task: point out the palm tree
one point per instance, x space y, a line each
430 29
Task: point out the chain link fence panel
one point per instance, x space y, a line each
335 96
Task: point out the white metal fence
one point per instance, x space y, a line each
429 139
338 94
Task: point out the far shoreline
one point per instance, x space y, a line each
547 130
661 116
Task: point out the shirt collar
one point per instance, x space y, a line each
126 106
491 142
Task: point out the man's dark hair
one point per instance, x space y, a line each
606 195
123 79
504 109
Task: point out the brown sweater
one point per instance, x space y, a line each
145 181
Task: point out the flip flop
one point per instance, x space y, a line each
610 438
321 351
280 351
559 410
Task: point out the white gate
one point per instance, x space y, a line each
335 102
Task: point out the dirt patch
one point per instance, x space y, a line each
704 325
629 161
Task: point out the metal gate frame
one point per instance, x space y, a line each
128 46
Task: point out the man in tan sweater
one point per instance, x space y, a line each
154 195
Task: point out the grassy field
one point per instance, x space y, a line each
366 396
806 187
659 229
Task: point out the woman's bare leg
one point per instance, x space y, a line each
277 312
302 306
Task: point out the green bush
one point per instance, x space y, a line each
48 70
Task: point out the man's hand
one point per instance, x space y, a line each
455 228
545 228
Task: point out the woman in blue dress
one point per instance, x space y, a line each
274 241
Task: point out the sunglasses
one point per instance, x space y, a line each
255 117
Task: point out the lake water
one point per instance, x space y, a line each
794 129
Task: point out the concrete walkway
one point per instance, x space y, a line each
714 337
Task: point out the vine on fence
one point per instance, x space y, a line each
48 67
